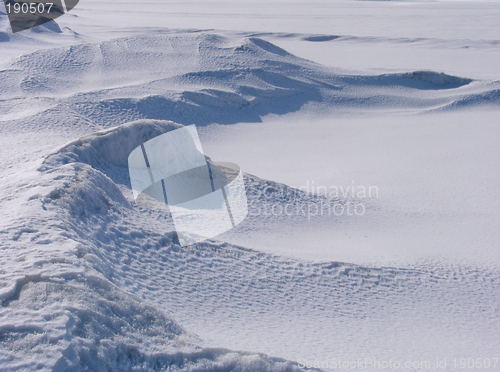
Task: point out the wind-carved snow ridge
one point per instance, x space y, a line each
96 283
107 152
74 303
111 146
205 78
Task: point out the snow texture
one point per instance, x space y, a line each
91 281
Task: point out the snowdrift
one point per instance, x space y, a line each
66 307
206 78
91 282
96 283
107 152
112 146
85 323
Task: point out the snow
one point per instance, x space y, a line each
400 98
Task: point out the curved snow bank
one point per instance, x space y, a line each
230 296
95 283
107 152
71 303
111 146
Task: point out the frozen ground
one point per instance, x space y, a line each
399 96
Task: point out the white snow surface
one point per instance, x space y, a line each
89 281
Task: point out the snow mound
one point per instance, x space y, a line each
490 98
101 162
72 304
106 152
86 323
82 311
202 79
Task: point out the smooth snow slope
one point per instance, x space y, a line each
435 177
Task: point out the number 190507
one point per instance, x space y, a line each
475 363
33 8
